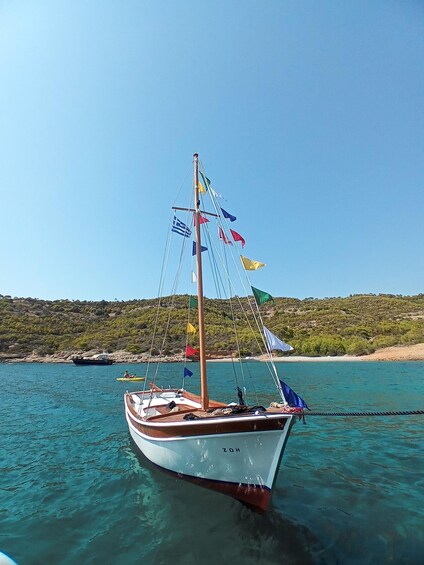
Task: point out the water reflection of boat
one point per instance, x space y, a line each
100 359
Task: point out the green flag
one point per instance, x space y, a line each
260 296
193 302
206 180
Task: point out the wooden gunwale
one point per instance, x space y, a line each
206 427
172 425
204 415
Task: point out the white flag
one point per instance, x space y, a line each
216 194
193 277
275 343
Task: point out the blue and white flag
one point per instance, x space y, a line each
274 343
293 399
187 372
179 227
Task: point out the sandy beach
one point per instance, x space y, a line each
398 353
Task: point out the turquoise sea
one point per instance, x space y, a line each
72 489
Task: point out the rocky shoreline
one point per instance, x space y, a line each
66 357
398 353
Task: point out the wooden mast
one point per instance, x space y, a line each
203 379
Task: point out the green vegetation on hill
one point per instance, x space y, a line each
355 325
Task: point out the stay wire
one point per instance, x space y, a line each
255 313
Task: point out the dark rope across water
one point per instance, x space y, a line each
365 414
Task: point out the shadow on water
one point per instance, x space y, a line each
204 524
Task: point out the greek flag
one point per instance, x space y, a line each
179 227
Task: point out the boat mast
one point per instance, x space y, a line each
203 378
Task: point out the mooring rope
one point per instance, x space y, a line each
401 413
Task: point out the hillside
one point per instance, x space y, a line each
354 325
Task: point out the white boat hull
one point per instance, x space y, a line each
241 464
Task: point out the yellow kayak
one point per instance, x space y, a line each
131 379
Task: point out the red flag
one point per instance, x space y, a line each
191 352
237 237
202 220
224 237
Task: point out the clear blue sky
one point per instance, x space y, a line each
308 116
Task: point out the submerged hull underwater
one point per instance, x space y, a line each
237 455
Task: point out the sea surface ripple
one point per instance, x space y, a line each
73 490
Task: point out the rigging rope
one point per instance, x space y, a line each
365 414
254 309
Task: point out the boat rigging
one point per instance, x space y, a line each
233 448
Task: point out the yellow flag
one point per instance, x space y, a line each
250 264
190 328
200 186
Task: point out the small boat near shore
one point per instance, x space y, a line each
99 359
129 379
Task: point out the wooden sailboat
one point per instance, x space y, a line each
234 449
